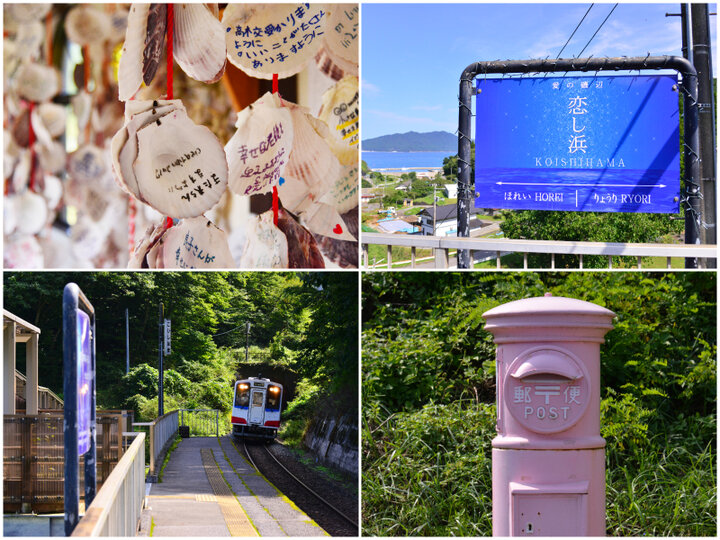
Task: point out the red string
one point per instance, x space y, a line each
31 144
170 19
275 83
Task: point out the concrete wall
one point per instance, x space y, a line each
333 438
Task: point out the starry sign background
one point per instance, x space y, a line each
602 144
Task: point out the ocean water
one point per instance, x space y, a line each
399 160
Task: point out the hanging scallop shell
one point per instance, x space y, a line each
152 235
31 211
260 244
137 106
181 168
260 148
263 39
342 36
52 191
53 117
25 13
340 111
344 194
9 215
199 42
118 24
36 82
87 164
21 129
29 38
82 107
52 158
130 72
312 162
89 239
156 29
22 252
303 251
87 25
194 243
323 219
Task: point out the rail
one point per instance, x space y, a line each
497 247
116 509
161 432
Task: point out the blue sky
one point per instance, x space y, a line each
413 54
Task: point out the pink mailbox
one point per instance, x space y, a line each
548 460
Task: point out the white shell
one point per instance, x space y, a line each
169 158
36 82
260 244
260 148
87 25
194 243
28 39
118 25
87 164
344 194
25 13
89 239
31 211
323 219
199 42
53 191
53 157
23 252
82 107
53 117
342 36
9 215
286 39
340 110
131 60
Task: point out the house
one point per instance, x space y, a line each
450 191
446 220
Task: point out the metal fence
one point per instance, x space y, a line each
161 432
116 509
33 459
201 422
494 248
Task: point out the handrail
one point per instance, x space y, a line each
161 431
553 247
116 509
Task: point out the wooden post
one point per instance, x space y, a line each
9 367
31 370
28 478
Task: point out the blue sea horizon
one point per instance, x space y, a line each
400 160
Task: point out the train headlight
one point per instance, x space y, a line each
243 386
274 389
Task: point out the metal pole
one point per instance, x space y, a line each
91 455
703 64
247 342
688 88
127 342
161 404
71 489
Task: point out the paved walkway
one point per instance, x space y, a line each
209 489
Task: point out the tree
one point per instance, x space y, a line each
450 165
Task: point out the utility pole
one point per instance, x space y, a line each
127 342
247 342
701 59
161 323
434 210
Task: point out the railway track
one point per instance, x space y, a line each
295 485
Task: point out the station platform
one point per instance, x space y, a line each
210 490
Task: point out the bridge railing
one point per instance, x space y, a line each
161 433
497 247
116 509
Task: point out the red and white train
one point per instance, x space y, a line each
256 408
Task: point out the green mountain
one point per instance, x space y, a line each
412 141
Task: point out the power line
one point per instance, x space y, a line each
596 31
573 32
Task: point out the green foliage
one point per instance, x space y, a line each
424 348
588 227
450 165
364 168
366 183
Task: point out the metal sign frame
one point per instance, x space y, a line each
74 300
688 88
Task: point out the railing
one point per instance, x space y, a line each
116 509
201 422
497 247
162 431
47 399
33 459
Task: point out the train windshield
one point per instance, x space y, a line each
242 395
272 401
257 399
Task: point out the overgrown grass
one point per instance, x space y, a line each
166 459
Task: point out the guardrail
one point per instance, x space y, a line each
201 422
502 246
161 433
116 509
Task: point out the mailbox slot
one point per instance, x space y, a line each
548 509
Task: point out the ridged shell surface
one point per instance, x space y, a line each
341 112
53 158
194 243
53 117
31 210
199 42
28 39
263 39
342 35
131 60
87 25
260 148
36 82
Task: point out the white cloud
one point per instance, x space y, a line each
369 87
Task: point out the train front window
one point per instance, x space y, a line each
242 395
257 399
273 398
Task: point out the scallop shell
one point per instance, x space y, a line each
340 111
89 239
260 244
194 243
53 117
9 215
36 82
87 25
28 39
118 25
323 219
82 107
87 164
331 67
199 42
137 106
130 75
25 13
152 235
181 168
344 194
21 129
23 252
303 251
312 162
263 39
342 36
156 28
53 157
21 174
32 211
260 148
52 191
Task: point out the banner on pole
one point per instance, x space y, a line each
601 144
84 381
166 341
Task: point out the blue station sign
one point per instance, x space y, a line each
84 381
600 144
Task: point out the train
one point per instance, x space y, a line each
257 404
